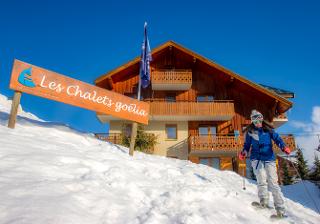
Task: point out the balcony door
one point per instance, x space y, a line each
206 130
207 134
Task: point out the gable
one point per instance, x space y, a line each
282 104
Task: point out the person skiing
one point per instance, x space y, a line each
259 136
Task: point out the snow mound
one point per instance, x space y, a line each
5 107
53 174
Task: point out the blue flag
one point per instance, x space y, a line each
145 60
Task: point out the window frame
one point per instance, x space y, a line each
168 126
208 126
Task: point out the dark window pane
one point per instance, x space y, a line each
210 98
204 161
203 131
205 98
207 130
216 163
213 130
201 99
170 99
171 132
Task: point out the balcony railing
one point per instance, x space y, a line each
228 143
188 110
280 120
173 79
281 116
115 138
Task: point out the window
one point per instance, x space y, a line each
212 162
171 131
205 98
207 130
215 163
170 98
204 161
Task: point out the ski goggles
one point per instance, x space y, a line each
257 118
257 121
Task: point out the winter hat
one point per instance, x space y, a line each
256 116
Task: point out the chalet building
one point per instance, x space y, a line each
198 109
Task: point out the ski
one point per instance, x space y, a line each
259 206
277 217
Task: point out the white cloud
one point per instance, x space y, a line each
316 117
308 140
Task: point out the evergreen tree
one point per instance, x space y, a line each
287 179
315 175
144 142
302 165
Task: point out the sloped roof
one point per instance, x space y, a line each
265 90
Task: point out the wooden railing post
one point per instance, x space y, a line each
14 109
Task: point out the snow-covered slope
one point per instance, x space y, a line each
53 174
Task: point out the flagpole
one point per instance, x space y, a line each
139 88
135 124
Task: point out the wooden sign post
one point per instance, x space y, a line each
44 83
133 138
14 109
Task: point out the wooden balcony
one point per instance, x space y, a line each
173 79
186 110
210 145
115 138
280 120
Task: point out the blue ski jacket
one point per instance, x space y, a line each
261 142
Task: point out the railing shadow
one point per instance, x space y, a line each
179 150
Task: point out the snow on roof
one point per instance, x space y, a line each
279 91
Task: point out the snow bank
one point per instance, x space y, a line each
5 107
53 174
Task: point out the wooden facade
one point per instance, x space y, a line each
186 86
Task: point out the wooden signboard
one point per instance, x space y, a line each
44 83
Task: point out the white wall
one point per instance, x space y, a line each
173 148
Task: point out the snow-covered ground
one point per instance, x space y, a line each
50 173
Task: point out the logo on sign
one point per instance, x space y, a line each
25 78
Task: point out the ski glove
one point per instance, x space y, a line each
242 155
287 150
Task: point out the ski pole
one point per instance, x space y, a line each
243 181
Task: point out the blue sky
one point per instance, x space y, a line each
271 42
